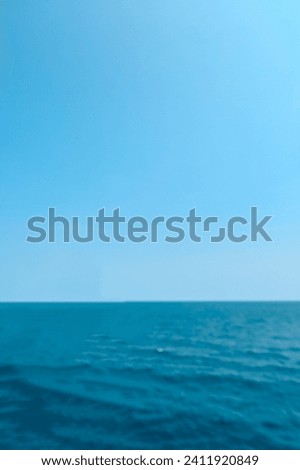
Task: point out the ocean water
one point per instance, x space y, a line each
150 376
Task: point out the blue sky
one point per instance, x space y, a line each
155 107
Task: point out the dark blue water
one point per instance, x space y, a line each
150 376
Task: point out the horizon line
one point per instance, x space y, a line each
146 301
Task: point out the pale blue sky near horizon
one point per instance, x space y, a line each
156 108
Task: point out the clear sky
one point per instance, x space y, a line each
155 107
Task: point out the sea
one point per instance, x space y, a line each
182 375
